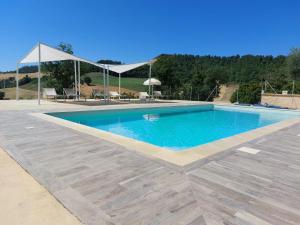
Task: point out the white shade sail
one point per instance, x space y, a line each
152 81
44 53
125 67
49 54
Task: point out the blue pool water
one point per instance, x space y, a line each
178 128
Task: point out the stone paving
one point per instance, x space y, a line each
104 183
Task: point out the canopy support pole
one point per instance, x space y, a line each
150 74
79 92
75 80
104 86
108 83
119 86
17 83
39 76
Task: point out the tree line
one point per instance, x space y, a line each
194 76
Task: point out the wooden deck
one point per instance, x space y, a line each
103 183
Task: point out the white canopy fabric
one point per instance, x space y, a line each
125 67
152 81
121 69
44 53
50 54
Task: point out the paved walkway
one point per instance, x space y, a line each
103 183
24 201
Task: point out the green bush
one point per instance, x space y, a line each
24 80
2 95
249 93
87 80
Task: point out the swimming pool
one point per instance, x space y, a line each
178 128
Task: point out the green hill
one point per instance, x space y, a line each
131 83
32 85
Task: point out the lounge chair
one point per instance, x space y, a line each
157 94
97 93
49 93
70 93
114 94
143 96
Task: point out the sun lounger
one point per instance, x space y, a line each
114 94
70 93
143 96
157 94
49 93
97 93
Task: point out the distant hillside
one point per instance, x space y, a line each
21 75
24 69
226 91
196 76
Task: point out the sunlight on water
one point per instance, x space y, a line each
178 128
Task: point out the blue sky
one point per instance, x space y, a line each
137 30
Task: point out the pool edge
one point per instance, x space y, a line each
182 158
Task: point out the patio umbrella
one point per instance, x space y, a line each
151 82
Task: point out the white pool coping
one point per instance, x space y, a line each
181 158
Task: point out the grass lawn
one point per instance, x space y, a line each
32 85
10 93
130 83
135 84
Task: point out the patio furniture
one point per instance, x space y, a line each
114 94
157 94
143 96
70 93
49 93
97 93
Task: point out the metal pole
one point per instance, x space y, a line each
108 82
119 86
79 79
150 74
265 86
17 83
75 79
39 76
237 94
152 91
293 89
104 86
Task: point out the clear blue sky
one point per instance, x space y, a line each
137 30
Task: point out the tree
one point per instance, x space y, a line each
24 80
87 80
60 74
293 63
109 61
249 93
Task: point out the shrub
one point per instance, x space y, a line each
249 93
87 80
2 95
24 80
